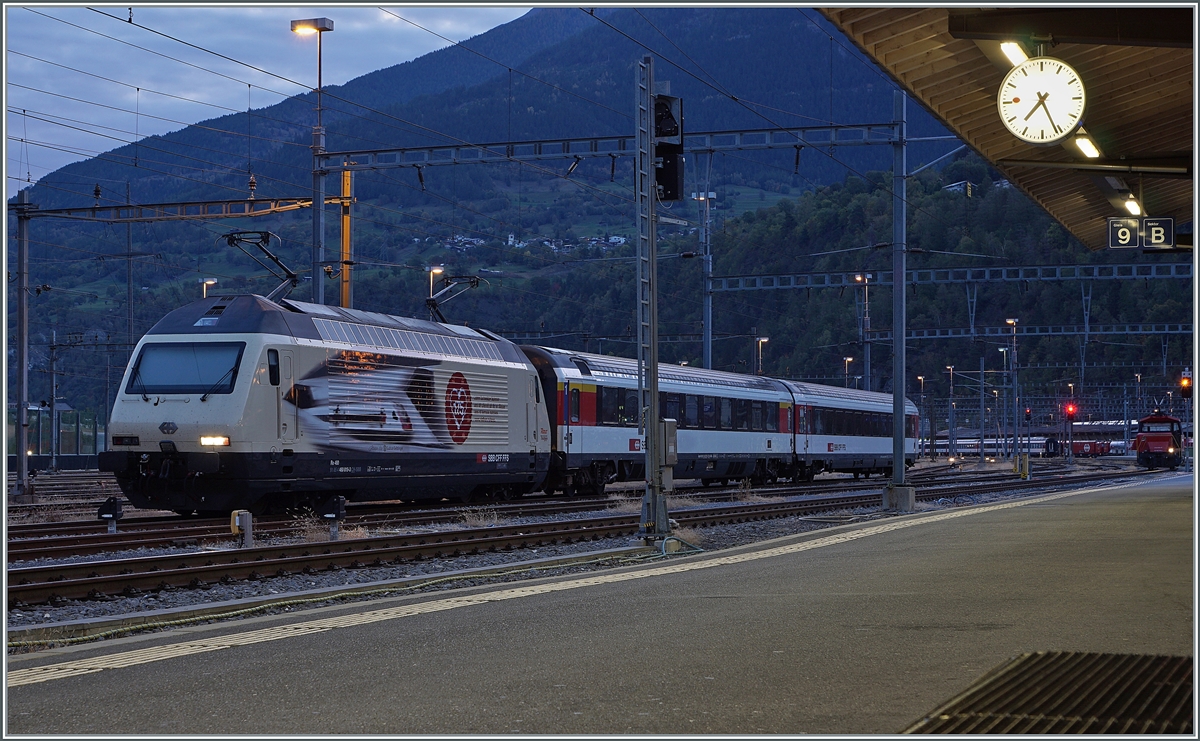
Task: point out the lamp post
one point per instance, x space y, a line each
865 279
307 27
846 372
952 432
204 284
760 342
706 198
1137 412
1003 409
921 380
1016 401
432 272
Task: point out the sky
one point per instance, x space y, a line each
81 80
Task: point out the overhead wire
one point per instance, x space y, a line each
747 105
605 193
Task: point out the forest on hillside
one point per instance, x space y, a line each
546 239
583 298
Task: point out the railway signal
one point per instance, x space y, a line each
668 146
1028 415
1185 385
1071 409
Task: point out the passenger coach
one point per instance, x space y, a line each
730 426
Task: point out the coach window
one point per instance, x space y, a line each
574 405
726 420
691 411
273 366
756 416
670 406
708 411
608 405
772 415
629 412
741 414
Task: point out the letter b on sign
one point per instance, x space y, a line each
1159 233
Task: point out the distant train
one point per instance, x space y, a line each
1038 447
1159 441
238 402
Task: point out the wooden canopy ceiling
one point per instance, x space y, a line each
1137 64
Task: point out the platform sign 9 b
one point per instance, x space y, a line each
1124 233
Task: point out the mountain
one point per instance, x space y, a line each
547 246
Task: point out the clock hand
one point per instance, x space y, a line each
1041 102
1047 110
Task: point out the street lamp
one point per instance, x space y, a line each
307 27
952 432
760 342
432 272
1138 407
921 380
865 279
846 382
1016 401
205 283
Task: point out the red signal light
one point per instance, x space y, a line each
1071 412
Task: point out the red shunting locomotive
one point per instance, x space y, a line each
1159 442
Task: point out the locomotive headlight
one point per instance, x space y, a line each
1170 450
214 440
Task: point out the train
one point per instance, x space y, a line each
1038 446
1159 441
240 402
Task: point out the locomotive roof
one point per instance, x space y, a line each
254 314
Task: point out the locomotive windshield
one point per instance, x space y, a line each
186 368
1159 427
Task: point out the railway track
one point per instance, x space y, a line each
132 576
61 540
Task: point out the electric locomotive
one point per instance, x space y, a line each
1159 441
239 402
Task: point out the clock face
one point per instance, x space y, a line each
1041 100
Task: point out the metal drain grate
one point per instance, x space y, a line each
1067 692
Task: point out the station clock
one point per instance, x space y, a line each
1042 100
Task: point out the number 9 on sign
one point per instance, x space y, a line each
1124 233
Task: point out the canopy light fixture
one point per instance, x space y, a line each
1014 52
1087 146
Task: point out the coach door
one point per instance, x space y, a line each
570 418
531 404
288 420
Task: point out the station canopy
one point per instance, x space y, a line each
1138 67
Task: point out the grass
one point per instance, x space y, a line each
691 535
480 517
313 529
745 493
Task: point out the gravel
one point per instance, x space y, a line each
710 539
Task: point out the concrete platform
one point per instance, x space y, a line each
859 629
